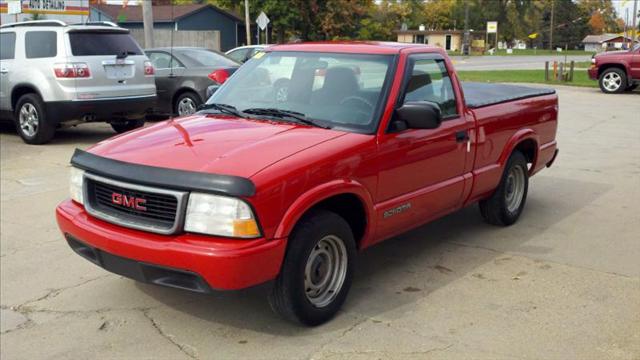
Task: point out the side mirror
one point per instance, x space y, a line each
219 76
420 115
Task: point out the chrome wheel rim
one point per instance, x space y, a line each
514 188
186 106
325 271
29 119
281 94
612 81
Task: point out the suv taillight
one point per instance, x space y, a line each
148 68
72 70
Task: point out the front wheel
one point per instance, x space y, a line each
317 271
121 127
613 80
507 202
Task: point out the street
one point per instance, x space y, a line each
511 62
562 283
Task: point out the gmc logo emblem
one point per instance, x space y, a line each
129 201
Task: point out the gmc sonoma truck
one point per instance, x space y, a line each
371 140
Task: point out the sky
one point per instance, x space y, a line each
621 5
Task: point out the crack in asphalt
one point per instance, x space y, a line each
184 348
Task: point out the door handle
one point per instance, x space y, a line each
462 136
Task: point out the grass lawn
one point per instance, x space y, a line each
580 77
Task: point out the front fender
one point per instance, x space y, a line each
322 192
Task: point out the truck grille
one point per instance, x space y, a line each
135 206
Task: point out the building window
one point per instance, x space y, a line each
419 39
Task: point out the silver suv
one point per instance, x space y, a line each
53 75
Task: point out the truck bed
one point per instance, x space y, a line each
484 94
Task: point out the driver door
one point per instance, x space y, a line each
421 170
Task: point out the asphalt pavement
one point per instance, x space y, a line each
507 62
562 283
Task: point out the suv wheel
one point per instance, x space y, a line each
317 270
613 80
121 127
31 120
507 202
186 104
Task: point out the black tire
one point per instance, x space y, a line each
121 127
495 210
289 295
38 130
190 96
613 72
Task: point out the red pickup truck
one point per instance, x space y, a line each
368 141
616 71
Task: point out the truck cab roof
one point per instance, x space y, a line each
360 47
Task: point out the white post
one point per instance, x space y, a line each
247 21
147 20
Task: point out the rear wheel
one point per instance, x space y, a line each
507 202
186 104
128 125
613 80
31 120
317 271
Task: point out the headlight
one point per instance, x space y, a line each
76 181
220 215
593 60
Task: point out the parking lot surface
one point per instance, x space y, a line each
512 62
562 283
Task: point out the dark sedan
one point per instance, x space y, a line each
183 75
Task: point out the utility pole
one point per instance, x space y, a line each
553 10
634 32
247 21
147 20
465 41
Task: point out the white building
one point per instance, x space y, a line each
69 11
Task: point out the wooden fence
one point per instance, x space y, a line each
209 39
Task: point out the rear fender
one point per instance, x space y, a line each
322 192
517 138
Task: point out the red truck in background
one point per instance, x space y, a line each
369 140
616 71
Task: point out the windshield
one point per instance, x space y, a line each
93 43
637 47
337 90
207 58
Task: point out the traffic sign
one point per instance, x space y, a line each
262 20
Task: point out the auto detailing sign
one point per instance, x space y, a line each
51 7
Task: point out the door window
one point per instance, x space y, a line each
163 61
41 44
430 81
7 45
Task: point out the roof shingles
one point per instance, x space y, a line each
161 13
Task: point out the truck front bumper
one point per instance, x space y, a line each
593 72
186 261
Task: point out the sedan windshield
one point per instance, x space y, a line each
333 90
208 58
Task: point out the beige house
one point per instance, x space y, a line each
446 39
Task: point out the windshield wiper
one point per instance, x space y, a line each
283 114
223 108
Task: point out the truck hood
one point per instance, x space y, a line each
612 53
216 144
